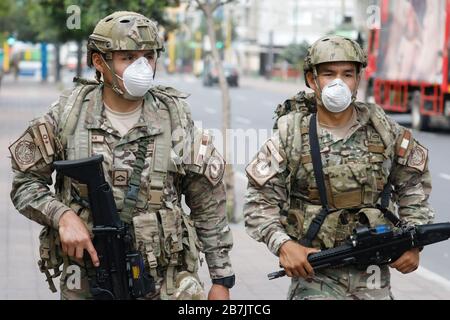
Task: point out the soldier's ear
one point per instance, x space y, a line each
311 82
98 62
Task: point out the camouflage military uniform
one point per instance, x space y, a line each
179 159
283 198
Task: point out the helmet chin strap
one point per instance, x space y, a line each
358 81
319 98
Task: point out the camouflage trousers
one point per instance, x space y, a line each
74 285
346 283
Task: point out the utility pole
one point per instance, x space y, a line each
343 9
270 57
172 52
198 52
228 37
295 12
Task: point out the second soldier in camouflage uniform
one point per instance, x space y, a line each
362 150
116 118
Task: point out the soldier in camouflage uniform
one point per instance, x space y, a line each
149 132
362 150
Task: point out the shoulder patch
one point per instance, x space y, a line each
404 143
265 165
25 152
215 168
418 157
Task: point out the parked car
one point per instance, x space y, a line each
211 75
29 68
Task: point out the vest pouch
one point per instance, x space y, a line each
346 185
191 244
378 169
327 233
374 217
293 223
147 237
50 254
171 222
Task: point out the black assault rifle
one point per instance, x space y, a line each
121 274
376 246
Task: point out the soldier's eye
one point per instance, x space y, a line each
128 58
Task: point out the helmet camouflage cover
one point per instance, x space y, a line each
121 31
334 49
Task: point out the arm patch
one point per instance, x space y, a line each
418 158
25 152
266 165
215 168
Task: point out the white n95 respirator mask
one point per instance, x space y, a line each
336 96
138 78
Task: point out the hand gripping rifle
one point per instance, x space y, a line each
121 274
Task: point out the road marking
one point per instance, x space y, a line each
210 110
445 176
243 120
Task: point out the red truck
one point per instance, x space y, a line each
408 69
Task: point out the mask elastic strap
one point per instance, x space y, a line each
115 85
355 95
156 62
315 75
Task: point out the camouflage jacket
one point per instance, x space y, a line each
282 196
198 178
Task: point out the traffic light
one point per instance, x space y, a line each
219 44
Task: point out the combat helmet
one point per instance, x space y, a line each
333 48
123 31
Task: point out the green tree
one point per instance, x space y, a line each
295 53
208 7
46 20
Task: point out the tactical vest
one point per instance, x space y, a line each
163 233
353 187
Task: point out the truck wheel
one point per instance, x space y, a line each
419 121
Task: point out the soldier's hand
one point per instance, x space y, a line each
75 237
218 292
294 260
408 262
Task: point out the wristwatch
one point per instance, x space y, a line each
227 282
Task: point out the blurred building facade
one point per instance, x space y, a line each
263 28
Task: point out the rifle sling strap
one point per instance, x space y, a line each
317 222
